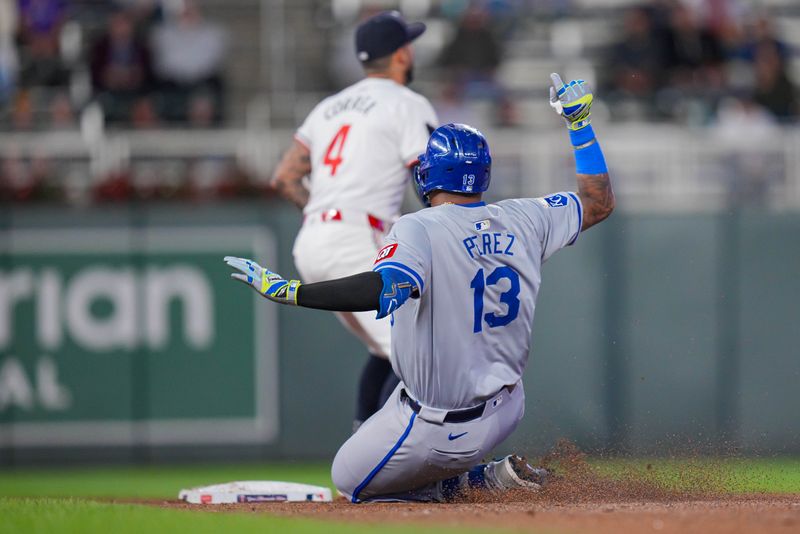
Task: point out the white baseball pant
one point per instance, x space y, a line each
326 250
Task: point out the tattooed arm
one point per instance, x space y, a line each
597 198
288 176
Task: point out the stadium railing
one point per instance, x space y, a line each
655 168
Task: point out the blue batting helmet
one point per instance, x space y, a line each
457 159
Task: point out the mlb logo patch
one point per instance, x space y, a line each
557 201
482 225
386 252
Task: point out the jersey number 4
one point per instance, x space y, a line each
333 156
510 298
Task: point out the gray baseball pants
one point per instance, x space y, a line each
400 455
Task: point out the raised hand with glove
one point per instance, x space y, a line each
573 102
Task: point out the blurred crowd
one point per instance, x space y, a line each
159 64
144 64
685 62
147 63
681 61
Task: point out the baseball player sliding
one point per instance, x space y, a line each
459 281
357 147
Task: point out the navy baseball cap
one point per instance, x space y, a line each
384 33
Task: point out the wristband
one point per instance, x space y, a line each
589 157
282 291
291 293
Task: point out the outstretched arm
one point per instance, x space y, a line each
573 101
288 176
383 292
360 292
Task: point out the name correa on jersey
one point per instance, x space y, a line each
360 141
362 104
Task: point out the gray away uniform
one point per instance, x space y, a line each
463 342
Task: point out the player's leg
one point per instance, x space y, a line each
333 250
375 334
500 418
386 457
377 377
400 455
373 378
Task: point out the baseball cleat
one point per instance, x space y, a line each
514 472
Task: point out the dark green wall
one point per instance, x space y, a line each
655 333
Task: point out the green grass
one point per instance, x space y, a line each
71 515
736 475
29 501
149 482
58 500
773 475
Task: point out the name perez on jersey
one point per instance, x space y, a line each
488 243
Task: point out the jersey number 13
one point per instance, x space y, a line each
510 298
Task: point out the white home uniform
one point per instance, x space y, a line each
362 141
460 349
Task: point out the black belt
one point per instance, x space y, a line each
453 416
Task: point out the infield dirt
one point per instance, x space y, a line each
579 500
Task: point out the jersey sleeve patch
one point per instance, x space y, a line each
386 252
557 200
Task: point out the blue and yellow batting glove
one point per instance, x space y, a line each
573 101
269 284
